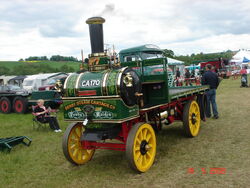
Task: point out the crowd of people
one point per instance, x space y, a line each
208 77
189 77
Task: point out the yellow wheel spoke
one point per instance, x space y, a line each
78 132
75 152
141 160
138 141
74 133
149 154
72 146
137 148
89 151
137 155
145 134
140 135
74 140
148 137
150 145
144 160
80 155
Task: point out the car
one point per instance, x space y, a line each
12 89
51 82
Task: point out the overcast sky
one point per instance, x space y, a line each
48 27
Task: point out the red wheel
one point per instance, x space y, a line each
5 105
20 105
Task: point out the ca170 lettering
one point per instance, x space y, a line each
90 83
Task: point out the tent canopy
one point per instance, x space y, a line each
245 60
172 61
241 56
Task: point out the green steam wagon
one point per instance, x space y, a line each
120 105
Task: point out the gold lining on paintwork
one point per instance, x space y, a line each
104 83
78 80
107 121
65 83
94 97
118 84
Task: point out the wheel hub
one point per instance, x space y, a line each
194 119
144 147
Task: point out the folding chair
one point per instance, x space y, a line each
37 124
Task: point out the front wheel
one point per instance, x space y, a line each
141 147
72 146
191 118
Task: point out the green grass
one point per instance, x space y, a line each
221 143
54 64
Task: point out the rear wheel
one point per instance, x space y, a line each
5 105
72 145
20 105
141 147
191 118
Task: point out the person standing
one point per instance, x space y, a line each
243 72
177 76
211 78
187 77
197 72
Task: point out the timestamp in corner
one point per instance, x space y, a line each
206 170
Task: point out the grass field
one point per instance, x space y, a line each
222 143
54 64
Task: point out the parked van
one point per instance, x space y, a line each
33 82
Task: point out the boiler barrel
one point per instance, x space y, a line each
105 83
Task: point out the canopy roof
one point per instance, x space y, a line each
243 56
245 60
143 48
172 61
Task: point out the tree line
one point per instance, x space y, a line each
29 69
52 58
197 58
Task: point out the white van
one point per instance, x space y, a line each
33 82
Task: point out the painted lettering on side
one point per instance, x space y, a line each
92 102
90 83
76 115
103 115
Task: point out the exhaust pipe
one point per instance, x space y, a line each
96 34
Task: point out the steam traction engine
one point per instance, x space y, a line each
120 106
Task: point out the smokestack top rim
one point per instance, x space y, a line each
95 20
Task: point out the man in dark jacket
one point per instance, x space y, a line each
210 78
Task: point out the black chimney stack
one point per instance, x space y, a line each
96 34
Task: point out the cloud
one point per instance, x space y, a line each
47 27
216 43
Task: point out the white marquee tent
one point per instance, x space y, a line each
243 56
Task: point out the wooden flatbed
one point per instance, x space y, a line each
177 92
